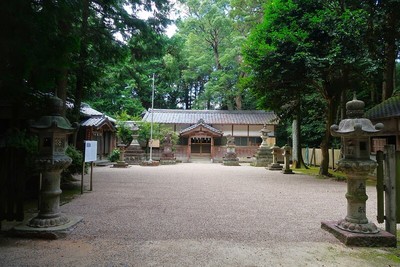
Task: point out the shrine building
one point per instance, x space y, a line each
202 133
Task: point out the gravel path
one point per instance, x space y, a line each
200 215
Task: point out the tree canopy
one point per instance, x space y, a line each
301 59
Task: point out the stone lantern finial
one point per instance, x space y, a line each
355 108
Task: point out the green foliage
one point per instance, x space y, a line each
124 133
69 45
21 139
114 156
76 165
145 132
304 48
164 131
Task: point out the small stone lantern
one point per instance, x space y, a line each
52 131
286 157
167 155
230 157
355 133
121 161
275 166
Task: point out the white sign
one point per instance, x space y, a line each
90 151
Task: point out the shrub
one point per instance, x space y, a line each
114 156
76 165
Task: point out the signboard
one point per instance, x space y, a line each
90 151
155 143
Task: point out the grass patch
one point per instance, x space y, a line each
334 174
314 171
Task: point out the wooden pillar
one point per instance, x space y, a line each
189 147
212 148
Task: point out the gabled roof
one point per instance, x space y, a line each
98 122
388 108
199 126
181 116
88 111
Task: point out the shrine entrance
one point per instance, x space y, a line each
201 146
200 140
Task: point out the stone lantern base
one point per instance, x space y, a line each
275 167
380 239
230 160
120 164
168 161
148 163
263 157
230 157
54 232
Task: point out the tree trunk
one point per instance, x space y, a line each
298 160
331 108
80 73
238 100
62 70
62 81
390 55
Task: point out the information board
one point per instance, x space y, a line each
90 151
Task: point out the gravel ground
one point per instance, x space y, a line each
200 215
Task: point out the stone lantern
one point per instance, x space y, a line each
121 161
263 156
287 152
52 131
167 155
230 157
275 166
355 132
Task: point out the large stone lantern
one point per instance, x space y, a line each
355 132
52 131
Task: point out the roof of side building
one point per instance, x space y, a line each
181 116
388 108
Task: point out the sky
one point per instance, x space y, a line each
171 29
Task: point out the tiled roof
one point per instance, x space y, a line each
97 122
88 111
201 123
181 116
388 108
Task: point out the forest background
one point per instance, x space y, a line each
301 59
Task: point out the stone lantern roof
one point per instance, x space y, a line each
55 120
355 125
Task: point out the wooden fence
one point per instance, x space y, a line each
12 184
313 157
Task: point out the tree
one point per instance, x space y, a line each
303 47
213 47
63 46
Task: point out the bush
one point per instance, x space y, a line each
27 142
114 156
76 165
